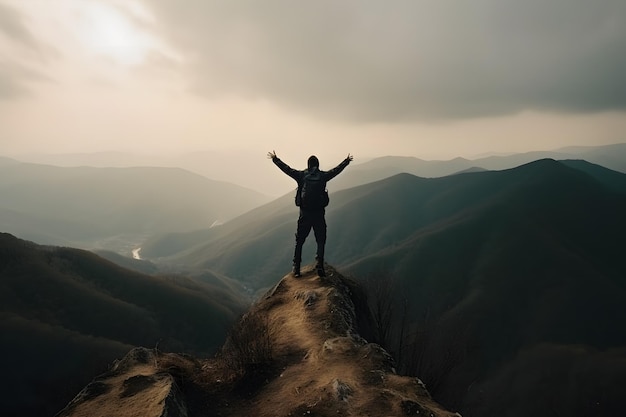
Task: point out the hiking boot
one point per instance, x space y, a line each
320 268
296 271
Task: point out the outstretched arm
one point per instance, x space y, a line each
337 170
293 173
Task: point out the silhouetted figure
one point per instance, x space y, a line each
312 198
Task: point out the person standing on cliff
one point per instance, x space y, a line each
312 198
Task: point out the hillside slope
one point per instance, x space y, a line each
314 363
525 289
66 313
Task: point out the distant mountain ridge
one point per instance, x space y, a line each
608 156
235 166
107 208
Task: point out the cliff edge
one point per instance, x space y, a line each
299 351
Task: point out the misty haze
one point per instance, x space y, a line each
473 248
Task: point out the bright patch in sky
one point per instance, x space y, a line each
105 31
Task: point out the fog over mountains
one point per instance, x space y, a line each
112 208
611 156
497 286
253 171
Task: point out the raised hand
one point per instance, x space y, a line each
271 155
350 157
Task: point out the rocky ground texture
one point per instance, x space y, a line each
299 351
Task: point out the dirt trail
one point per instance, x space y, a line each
337 372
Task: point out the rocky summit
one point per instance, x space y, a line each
301 350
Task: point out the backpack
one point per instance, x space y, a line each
312 193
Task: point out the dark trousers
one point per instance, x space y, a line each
310 220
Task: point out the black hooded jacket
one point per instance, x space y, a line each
299 175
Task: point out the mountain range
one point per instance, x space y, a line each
489 272
381 216
112 208
608 156
503 290
253 171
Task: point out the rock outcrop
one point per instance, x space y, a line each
299 351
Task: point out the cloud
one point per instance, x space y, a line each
10 86
11 25
15 75
15 79
405 60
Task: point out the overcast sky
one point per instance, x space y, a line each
427 78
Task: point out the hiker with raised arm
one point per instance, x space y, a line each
312 198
